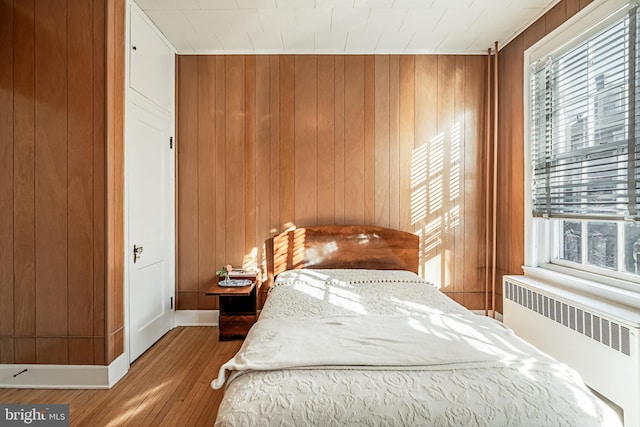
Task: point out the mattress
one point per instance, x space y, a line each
369 347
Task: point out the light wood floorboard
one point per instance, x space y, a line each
169 385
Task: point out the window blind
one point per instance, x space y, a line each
585 145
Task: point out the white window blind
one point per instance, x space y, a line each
585 106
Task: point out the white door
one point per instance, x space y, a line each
150 227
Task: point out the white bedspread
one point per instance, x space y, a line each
437 341
392 350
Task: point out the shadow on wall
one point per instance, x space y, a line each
435 203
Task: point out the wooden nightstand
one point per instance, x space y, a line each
237 308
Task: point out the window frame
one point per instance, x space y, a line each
540 244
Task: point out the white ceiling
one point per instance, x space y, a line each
341 26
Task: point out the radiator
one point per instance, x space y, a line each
599 340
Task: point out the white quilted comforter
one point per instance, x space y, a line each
373 348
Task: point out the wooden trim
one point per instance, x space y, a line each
115 20
487 193
495 183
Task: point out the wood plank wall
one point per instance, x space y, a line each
267 142
510 213
53 181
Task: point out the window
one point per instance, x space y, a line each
584 134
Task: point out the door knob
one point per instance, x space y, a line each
137 253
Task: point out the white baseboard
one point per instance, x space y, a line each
195 318
64 376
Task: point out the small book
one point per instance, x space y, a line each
242 273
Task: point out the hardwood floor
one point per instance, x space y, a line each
169 385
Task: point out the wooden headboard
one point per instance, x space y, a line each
341 246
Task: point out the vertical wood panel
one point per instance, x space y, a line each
457 183
80 174
339 139
394 142
51 167
262 163
354 130
6 182
25 350
115 33
220 164
573 6
205 157
556 16
250 163
381 149
448 144
99 180
369 140
287 141
80 351
306 140
234 159
407 143
24 167
326 147
274 144
427 194
187 146
53 351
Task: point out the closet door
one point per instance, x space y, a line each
150 64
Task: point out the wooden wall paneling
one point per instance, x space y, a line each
339 134
287 141
6 183
24 284
115 33
369 140
516 180
473 172
428 147
584 3
221 162
448 146
326 139
80 181
187 145
25 350
262 157
510 252
52 351
80 350
205 184
381 148
51 169
354 141
235 162
407 136
250 164
572 6
458 211
99 181
533 33
274 145
305 153
556 16
394 142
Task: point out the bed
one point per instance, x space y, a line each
351 335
